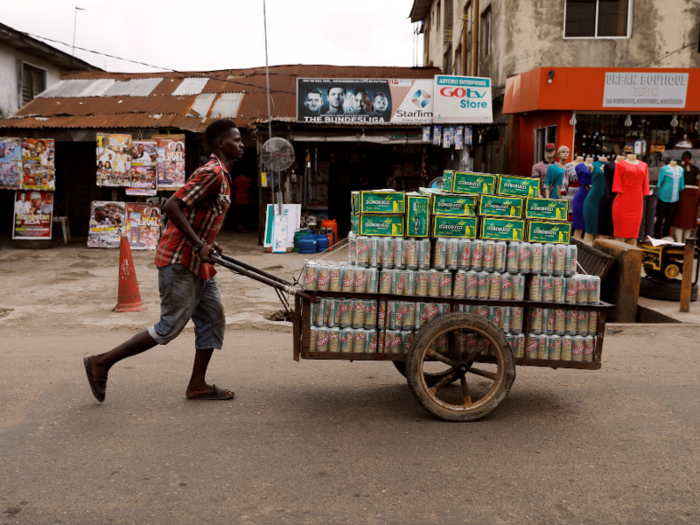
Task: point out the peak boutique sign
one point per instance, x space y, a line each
645 90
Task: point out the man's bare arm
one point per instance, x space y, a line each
174 210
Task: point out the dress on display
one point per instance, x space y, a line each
570 185
583 173
671 183
591 206
605 221
555 174
631 185
687 214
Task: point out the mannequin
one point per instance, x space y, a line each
671 183
583 174
605 221
570 184
686 216
631 183
539 170
555 174
591 206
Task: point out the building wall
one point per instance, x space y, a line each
10 71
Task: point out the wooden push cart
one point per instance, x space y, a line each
465 383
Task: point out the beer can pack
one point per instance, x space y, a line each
360 280
311 276
482 289
398 254
362 251
512 257
343 340
408 315
315 308
570 261
422 281
333 313
495 286
489 255
392 342
524 257
347 278
593 289
548 254
465 254
536 288
499 263
559 259
313 337
352 248
428 312
532 345
571 287
434 284
559 321
518 287
322 339
516 319
375 252
370 315
588 348
506 287
385 277
388 252
360 341
452 254
582 322
424 254
537 254
410 254
381 340
557 289
397 281
582 289
334 340
507 317
335 283
543 347
519 350
550 319
547 288
459 285
395 317
372 279
554 348
537 320
411 276
346 309
442 344
578 348
358 317
593 323
440 254
372 341
571 321
471 284
324 277
477 254
567 347
381 314
406 340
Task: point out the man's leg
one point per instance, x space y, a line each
101 363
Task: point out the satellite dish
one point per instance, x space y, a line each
277 154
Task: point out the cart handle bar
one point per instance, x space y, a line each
253 269
257 275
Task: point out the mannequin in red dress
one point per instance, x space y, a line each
631 183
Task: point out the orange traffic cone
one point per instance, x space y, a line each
129 299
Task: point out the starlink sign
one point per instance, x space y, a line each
462 100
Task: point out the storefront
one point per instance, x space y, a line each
598 111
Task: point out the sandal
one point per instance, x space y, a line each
218 394
99 388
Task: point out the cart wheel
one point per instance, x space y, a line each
465 347
430 379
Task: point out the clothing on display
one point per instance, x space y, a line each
687 214
591 206
605 221
570 184
583 174
670 183
539 171
665 216
631 183
648 215
553 180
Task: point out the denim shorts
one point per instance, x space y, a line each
184 296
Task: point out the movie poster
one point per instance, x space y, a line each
38 169
143 225
33 215
10 163
171 161
113 160
107 224
143 168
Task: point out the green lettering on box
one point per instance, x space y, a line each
495 206
502 229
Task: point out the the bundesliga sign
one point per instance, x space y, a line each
462 100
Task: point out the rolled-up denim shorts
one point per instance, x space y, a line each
185 296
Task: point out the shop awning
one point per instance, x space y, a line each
398 137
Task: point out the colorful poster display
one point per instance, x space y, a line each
107 224
33 215
170 162
143 168
143 225
10 163
38 168
113 160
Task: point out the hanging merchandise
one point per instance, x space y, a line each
33 215
458 138
447 137
143 225
143 168
10 163
107 224
437 135
426 133
467 135
38 169
113 160
170 164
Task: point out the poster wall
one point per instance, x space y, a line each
170 162
143 168
10 163
38 168
113 160
107 224
143 225
33 215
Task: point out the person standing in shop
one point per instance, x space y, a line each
241 202
539 170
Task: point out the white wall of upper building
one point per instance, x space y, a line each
11 59
526 34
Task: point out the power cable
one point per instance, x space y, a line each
664 55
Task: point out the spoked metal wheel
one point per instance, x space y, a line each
430 378
465 349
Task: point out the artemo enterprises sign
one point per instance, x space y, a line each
645 90
462 100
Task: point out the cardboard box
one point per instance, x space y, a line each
355 202
417 215
454 204
551 232
381 225
495 206
388 202
518 186
474 183
502 229
355 223
460 227
547 209
448 180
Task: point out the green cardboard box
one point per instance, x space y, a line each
547 209
381 225
502 229
494 206
448 180
382 201
553 232
518 186
462 227
355 202
454 204
355 223
417 215
474 183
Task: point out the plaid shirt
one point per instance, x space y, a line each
207 198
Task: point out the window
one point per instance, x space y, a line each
33 82
597 18
543 136
486 32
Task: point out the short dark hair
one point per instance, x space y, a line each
217 129
314 91
380 94
336 86
360 90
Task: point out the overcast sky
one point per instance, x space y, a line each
222 34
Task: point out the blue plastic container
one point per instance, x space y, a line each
321 242
308 244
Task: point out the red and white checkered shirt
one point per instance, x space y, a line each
207 198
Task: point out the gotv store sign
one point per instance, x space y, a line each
462 100
645 90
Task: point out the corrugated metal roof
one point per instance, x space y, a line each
137 87
201 105
191 86
226 105
78 88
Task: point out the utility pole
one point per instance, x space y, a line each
75 24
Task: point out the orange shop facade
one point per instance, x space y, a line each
597 111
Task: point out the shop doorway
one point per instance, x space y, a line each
543 136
